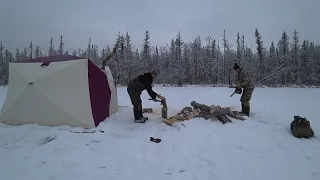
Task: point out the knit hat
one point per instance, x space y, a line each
236 66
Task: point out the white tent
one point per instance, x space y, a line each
59 90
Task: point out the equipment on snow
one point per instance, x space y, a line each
156 140
301 128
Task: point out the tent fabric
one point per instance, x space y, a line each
67 90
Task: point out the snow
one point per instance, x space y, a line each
260 147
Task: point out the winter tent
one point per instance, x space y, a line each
59 90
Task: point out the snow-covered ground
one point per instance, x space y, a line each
259 148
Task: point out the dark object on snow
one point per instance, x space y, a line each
301 128
156 140
46 140
147 110
88 131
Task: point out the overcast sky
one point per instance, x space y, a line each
22 21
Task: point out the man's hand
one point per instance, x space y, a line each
160 97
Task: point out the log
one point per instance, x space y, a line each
207 112
196 112
164 109
236 115
221 111
147 110
202 107
224 119
212 112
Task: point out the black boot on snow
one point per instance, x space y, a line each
142 117
247 110
138 118
242 109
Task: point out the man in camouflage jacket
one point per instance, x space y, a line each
244 81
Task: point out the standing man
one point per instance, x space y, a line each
244 81
135 88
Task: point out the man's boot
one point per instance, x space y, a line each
242 108
247 110
142 117
138 118
136 113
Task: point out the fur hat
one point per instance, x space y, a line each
236 66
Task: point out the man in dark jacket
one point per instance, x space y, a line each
135 88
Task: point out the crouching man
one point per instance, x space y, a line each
135 88
244 81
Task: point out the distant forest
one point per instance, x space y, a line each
204 61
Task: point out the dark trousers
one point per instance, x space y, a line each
136 102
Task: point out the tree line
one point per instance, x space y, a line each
207 60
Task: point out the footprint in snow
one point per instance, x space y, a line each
46 140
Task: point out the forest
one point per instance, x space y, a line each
204 61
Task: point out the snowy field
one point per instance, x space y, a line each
259 148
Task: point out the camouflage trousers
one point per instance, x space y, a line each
246 96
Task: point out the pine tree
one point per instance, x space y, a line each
304 61
238 49
37 52
31 50
259 43
146 51
178 57
17 56
74 52
61 46
295 55
51 48
225 44
1 52
128 56
284 56
24 54
243 50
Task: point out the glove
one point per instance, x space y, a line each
238 90
160 97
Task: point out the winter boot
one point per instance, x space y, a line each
247 110
242 109
138 118
142 117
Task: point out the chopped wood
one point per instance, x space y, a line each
216 112
223 114
147 110
224 119
164 109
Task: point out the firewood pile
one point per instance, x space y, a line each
213 112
